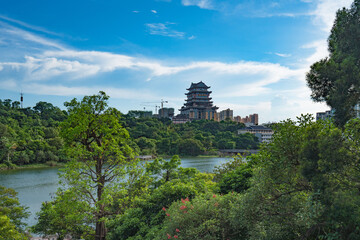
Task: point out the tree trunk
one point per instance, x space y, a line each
100 230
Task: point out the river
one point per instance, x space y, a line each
35 186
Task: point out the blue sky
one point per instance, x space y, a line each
254 53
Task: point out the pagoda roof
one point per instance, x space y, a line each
198 99
192 91
198 85
183 108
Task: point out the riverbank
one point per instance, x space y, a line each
189 156
4 167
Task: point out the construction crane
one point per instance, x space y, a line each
162 107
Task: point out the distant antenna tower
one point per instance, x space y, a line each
21 99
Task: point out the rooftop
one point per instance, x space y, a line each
198 85
256 127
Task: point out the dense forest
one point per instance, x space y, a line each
160 136
31 135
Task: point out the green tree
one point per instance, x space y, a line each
336 79
66 214
190 146
305 184
101 155
204 217
11 214
8 230
170 183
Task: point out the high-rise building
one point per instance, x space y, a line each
252 118
166 112
226 114
237 119
198 104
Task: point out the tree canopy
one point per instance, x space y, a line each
102 160
336 79
11 215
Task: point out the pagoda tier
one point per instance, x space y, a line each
194 91
197 107
208 104
198 99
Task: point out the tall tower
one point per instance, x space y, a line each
198 104
21 100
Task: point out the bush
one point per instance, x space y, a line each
204 217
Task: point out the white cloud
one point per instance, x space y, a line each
320 51
325 12
163 29
283 54
191 37
71 64
154 11
62 90
206 4
135 11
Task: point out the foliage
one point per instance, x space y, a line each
31 135
28 135
103 163
305 184
204 217
11 215
8 229
169 184
335 80
236 180
66 214
10 206
193 138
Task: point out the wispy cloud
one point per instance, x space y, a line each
154 11
248 8
283 54
62 90
29 26
14 32
163 29
206 4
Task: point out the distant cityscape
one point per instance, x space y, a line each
198 105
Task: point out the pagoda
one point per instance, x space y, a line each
198 104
